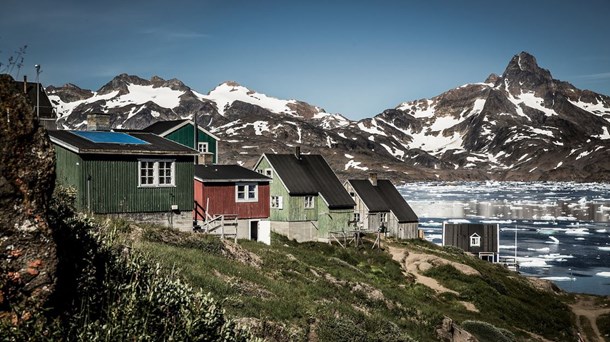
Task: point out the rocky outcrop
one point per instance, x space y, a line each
448 331
28 257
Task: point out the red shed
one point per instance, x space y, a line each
230 199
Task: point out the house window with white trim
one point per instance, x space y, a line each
475 240
277 202
269 173
309 202
202 147
383 217
356 217
156 173
247 192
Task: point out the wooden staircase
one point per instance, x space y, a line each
220 225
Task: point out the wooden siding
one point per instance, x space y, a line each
113 184
185 136
359 208
68 169
333 220
276 188
458 235
114 187
222 200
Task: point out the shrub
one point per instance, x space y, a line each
487 332
106 294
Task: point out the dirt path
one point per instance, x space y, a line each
585 306
416 263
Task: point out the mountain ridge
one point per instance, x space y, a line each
522 125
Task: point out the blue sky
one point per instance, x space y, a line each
356 58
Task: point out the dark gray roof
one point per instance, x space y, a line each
310 175
156 145
163 126
31 88
384 197
228 173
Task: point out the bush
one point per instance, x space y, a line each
603 323
107 294
487 332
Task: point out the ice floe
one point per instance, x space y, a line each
559 278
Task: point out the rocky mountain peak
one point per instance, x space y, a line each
174 83
120 83
523 72
230 84
492 78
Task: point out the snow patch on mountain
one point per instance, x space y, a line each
227 93
355 165
139 94
65 108
598 108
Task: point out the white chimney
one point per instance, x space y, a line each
98 122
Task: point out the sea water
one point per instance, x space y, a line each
562 229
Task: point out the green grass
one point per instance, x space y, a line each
333 289
603 324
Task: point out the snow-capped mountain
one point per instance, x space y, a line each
521 125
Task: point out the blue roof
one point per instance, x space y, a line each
110 137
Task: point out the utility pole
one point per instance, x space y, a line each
37 67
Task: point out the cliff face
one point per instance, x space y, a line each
27 174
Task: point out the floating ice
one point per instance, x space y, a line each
434 236
579 238
601 230
603 248
543 249
555 241
507 246
578 231
559 278
603 274
534 263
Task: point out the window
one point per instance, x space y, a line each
309 202
269 173
475 240
156 173
277 202
165 173
202 147
147 173
356 217
383 217
246 193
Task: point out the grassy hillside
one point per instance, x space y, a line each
121 281
315 291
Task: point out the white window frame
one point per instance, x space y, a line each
356 217
268 173
475 240
249 194
277 202
309 202
383 217
203 147
156 173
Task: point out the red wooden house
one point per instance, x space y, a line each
232 200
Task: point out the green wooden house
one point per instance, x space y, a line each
307 199
183 132
139 176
